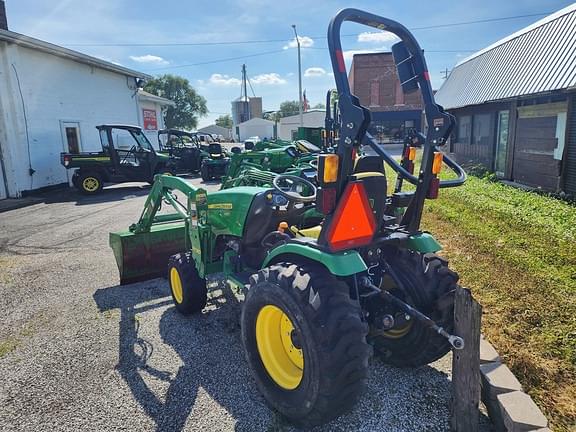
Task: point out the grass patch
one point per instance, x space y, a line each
7 346
516 250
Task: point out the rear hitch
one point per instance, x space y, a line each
455 341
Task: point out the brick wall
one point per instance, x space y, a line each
374 80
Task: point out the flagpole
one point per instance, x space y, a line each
299 77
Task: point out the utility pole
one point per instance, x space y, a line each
246 100
446 72
299 77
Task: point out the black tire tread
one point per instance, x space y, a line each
195 293
435 281
339 328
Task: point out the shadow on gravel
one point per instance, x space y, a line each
209 348
213 382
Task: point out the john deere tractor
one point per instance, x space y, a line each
331 272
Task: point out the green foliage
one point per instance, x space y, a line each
224 121
516 250
190 106
319 106
289 108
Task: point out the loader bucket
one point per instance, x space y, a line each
142 256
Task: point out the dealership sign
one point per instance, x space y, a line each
150 121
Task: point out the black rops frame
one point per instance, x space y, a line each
355 119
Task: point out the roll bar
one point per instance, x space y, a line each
355 119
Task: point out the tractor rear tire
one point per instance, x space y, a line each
89 183
188 289
305 341
429 287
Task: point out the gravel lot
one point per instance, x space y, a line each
79 352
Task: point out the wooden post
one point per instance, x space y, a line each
466 363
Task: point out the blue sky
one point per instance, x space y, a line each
272 66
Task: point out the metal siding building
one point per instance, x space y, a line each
514 104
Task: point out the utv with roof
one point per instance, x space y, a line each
185 147
126 156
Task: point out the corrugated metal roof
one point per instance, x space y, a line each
539 58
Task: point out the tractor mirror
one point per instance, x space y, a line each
236 150
404 67
248 145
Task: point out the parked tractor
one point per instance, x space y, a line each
215 164
331 271
126 156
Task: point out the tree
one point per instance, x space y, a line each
224 121
319 106
190 106
288 108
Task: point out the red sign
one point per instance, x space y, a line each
150 121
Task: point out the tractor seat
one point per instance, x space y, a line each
313 232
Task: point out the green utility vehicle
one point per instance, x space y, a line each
331 271
126 156
184 147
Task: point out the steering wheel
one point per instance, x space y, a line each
292 186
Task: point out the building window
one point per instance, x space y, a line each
482 129
375 93
71 131
464 129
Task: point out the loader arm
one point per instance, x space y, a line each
162 190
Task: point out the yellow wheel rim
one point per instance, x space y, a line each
176 285
90 184
283 361
397 333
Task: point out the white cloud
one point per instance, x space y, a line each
305 42
224 80
314 72
350 53
268 79
150 59
264 79
108 59
377 37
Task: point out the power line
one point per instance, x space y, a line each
217 61
284 40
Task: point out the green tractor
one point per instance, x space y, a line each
330 272
250 167
126 156
215 164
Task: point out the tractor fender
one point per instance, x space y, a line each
339 264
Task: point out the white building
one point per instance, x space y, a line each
288 126
255 127
217 130
151 114
51 99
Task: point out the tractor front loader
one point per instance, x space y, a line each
332 271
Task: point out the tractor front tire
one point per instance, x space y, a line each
429 286
188 289
305 341
89 183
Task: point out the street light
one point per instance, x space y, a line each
299 77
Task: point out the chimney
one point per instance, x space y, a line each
3 19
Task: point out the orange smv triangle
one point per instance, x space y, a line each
353 224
